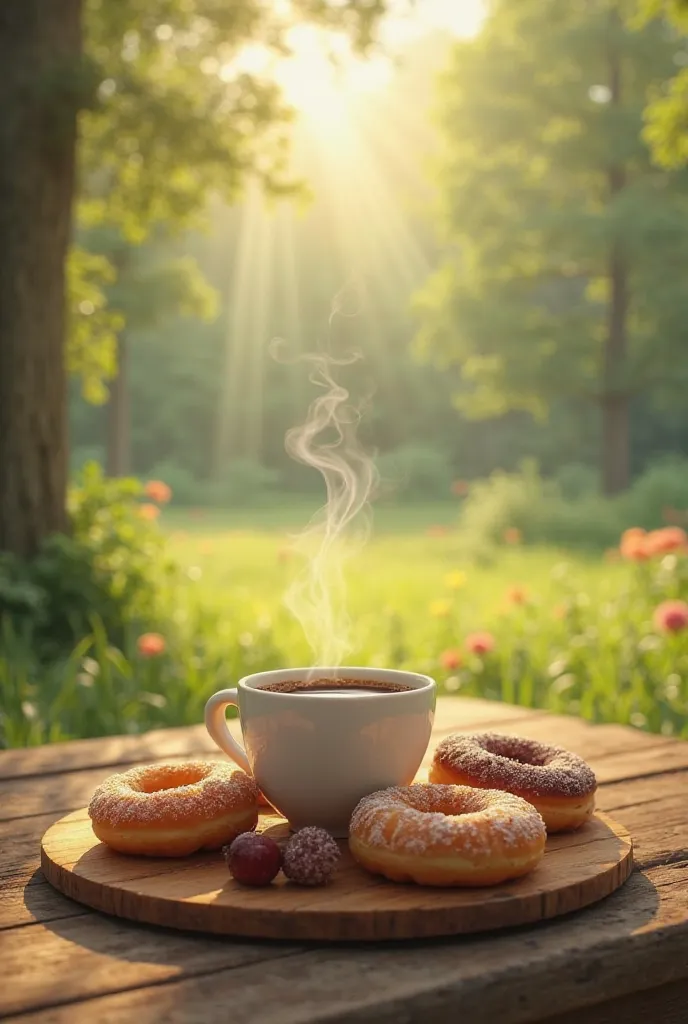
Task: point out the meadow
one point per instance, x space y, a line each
538 626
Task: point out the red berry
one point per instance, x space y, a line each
253 859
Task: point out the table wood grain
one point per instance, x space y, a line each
627 956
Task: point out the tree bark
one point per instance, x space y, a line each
40 50
616 455
616 427
118 432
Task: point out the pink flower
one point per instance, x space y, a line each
480 643
669 538
451 659
150 645
671 616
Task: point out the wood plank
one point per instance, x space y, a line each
34 901
84 956
665 1005
73 755
603 953
613 754
654 811
665 805
110 751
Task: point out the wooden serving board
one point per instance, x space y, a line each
197 892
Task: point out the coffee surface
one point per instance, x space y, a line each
328 685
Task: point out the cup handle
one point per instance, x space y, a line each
216 724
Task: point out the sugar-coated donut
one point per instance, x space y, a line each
558 783
171 810
446 835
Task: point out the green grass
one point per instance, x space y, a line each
582 642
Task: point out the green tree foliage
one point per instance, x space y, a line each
92 325
175 118
667 114
176 115
561 281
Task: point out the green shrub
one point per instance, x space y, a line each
112 567
540 511
243 482
186 489
577 480
415 471
662 489
503 501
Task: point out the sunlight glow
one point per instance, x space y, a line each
324 78
323 74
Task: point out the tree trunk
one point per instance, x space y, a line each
40 47
616 428
616 461
118 432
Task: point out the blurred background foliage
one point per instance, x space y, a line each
511 323
502 221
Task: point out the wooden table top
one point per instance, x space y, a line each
64 963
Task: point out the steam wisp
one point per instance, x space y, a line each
317 597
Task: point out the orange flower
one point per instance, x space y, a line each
480 643
671 616
285 554
669 538
634 544
438 531
517 595
560 611
149 645
460 488
512 535
451 659
158 491
150 512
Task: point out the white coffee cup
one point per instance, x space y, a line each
315 755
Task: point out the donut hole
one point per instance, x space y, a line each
525 759
521 752
171 777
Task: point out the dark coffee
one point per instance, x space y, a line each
329 686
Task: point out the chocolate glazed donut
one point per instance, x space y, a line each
558 783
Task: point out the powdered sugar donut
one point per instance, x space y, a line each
558 783
170 810
446 835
